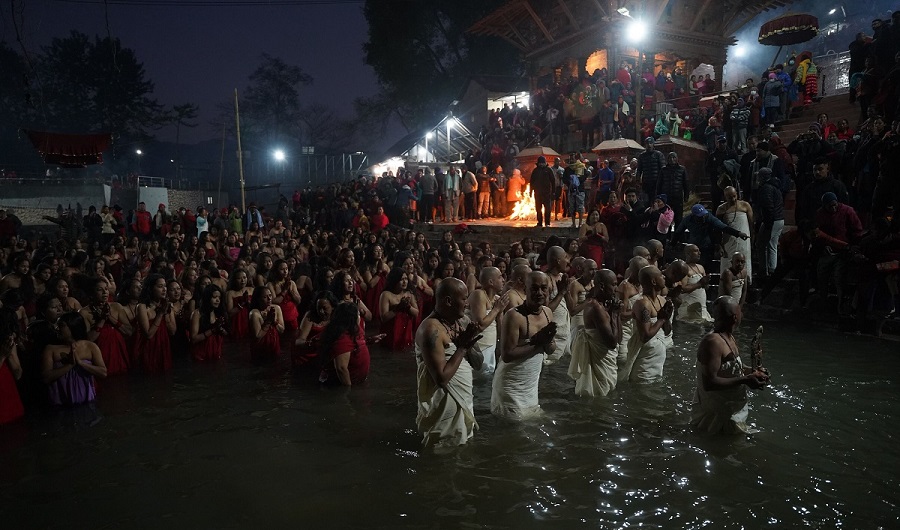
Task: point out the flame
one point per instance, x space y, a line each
524 209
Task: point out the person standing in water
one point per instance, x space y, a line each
445 358
486 304
720 399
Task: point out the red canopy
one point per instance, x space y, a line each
70 150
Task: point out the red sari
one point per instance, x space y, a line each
372 296
268 347
303 355
113 348
154 353
240 322
11 407
400 331
210 348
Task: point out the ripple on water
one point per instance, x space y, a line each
237 444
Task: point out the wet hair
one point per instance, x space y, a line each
393 278
147 289
76 324
256 300
329 297
344 320
43 302
337 284
206 308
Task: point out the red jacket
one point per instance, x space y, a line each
142 221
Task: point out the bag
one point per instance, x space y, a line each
574 182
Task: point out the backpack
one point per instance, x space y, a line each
574 183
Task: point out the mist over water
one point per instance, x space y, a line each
233 445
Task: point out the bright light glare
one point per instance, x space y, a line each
740 51
139 152
279 155
637 30
833 11
429 135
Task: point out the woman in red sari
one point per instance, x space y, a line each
306 347
237 303
107 325
374 274
156 323
208 326
399 311
287 297
594 238
266 323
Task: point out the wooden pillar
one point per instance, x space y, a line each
718 69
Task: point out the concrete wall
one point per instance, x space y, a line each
194 198
29 202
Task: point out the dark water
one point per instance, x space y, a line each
236 446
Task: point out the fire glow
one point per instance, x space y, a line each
524 209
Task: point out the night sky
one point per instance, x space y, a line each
201 54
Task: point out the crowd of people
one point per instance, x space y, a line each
335 269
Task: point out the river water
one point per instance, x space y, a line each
236 445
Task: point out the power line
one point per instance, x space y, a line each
213 3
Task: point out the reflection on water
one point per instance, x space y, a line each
236 445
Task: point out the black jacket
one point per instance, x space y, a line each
543 181
809 203
674 183
650 164
769 204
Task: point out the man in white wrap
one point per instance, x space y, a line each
737 214
580 293
485 306
560 300
527 334
693 290
720 400
594 350
445 357
629 292
651 313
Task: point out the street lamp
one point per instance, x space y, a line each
279 155
637 32
740 51
428 136
138 152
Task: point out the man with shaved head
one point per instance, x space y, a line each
485 305
656 250
737 214
629 291
579 291
527 336
445 357
693 289
595 347
651 313
517 285
720 399
641 251
560 300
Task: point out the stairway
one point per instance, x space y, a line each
836 107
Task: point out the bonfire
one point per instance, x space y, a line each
524 210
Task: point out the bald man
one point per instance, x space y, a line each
733 281
517 285
486 304
720 399
445 358
527 336
651 313
629 291
595 347
578 292
641 251
737 214
693 289
560 301
656 250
